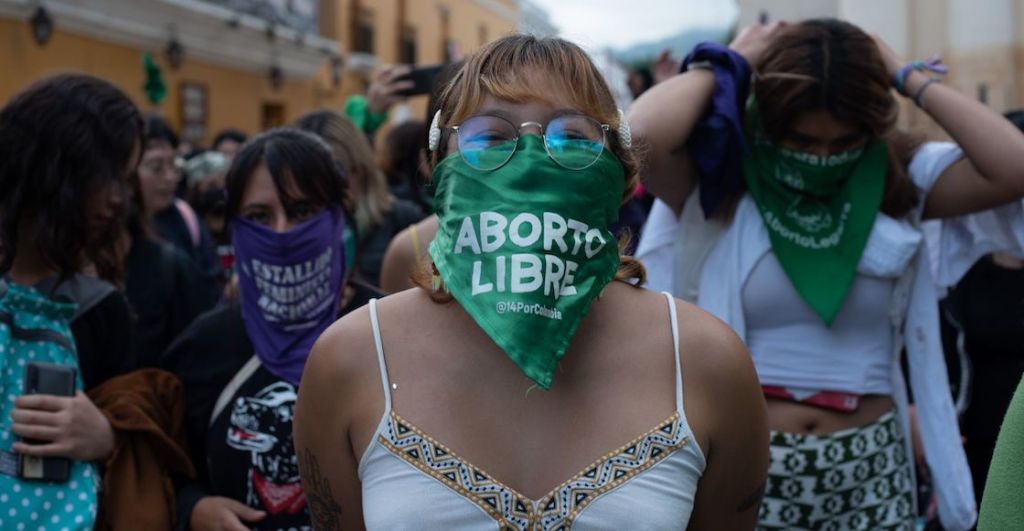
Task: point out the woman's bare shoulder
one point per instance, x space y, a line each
713 343
698 329
345 352
718 371
349 341
343 363
707 346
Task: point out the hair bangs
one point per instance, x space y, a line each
300 165
522 68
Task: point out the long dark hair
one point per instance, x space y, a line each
61 140
295 160
833 65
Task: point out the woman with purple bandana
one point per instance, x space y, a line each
241 364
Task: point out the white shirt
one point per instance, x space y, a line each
953 246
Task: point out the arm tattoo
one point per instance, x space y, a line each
324 510
751 501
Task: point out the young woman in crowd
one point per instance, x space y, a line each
378 214
164 286
420 410
171 217
241 363
810 251
67 146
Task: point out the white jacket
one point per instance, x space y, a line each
708 263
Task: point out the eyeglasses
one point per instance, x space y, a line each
160 166
574 141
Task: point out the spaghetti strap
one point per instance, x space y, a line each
675 350
380 356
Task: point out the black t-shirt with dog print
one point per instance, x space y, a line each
250 441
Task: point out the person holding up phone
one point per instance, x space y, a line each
67 145
369 112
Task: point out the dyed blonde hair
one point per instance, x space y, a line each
508 68
371 198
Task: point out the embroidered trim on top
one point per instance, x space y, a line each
556 510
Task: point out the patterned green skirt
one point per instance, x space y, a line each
858 478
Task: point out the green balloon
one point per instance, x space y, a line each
154 87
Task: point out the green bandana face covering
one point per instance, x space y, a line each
526 248
819 212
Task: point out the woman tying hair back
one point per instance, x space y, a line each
808 247
420 411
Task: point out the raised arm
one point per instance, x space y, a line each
992 171
662 119
664 116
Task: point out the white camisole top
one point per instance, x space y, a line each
793 348
412 481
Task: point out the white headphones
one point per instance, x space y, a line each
434 136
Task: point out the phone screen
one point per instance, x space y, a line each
49 379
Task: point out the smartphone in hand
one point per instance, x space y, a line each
424 80
46 379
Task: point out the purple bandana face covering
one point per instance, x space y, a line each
291 287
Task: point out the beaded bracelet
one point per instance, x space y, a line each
932 65
919 95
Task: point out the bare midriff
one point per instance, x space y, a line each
794 417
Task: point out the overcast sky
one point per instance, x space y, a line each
620 23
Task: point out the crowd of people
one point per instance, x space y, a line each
716 309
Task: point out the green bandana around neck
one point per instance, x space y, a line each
525 249
819 212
